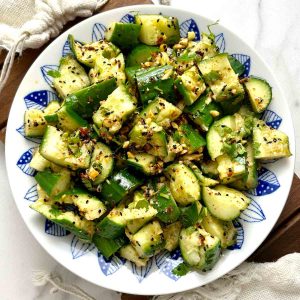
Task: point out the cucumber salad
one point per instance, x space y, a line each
152 143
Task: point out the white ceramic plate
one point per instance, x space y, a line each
156 278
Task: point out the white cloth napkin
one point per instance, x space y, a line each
30 24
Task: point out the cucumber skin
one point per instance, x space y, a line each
86 101
125 35
140 54
109 229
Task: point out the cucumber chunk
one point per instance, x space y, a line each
123 35
203 181
101 165
89 206
160 111
184 185
115 110
158 29
54 183
224 203
34 123
65 150
224 230
140 54
119 185
259 92
171 235
190 85
269 143
146 163
148 240
72 77
88 52
38 162
81 227
203 112
113 225
164 203
108 247
128 252
85 101
199 249
219 75
107 68
151 136
155 82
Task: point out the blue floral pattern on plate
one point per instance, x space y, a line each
271 118
32 194
141 272
66 49
24 161
45 69
54 229
189 25
245 60
111 265
220 42
253 213
128 18
80 248
98 32
166 261
39 99
267 183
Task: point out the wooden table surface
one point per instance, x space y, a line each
285 236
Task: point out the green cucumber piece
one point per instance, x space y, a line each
85 101
88 52
107 68
101 166
38 162
224 203
123 35
89 206
119 185
198 248
269 143
108 247
68 119
203 112
203 181
236 65
184 185
152 135
148 240
140 54
128 252
164 203
190 85
72 77
155 82
171 235
54 183
259 93
34 123
146 163
222 80
224 230
158 29
115 110
59 148
160 111
113 225
81 227
186 134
